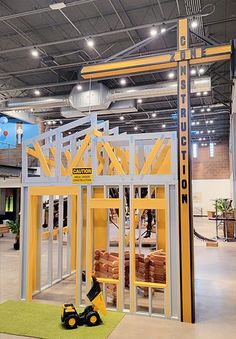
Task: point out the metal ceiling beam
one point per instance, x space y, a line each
41 10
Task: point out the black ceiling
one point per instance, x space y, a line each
62 35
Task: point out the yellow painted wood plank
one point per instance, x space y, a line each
141 203
53 190
104 203
43 161
151 156
79 153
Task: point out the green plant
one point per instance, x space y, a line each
223 205
14 227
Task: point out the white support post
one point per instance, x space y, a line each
79 243
50 240
69 225
60 237
24 255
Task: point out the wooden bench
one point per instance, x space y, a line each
4 229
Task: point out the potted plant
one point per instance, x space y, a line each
14 227
225 210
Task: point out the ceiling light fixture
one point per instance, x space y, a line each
154 115
135 128
37 92
90 42
34 52
197 123
123 81
193 71
198 94
211 121
202 110
140 101
153 31
205 93
163 28
208 109
57 6
201 70
163 126
79 87
192 111
193 123
122 117
171 75
194 23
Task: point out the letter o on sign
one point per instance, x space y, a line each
184 183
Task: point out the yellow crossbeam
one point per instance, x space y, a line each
161 159
198 55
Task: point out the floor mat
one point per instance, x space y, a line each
43 321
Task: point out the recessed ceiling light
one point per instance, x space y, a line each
197 132
193 71
69 132
201 132
193 123
140 101
202 110
192 111
123 81
37 92
49 122
163 126
171 75
34 52
205 93
204 139
60 122
208 109
200 139
135 128
211 121
208 131
201 70
122 117
198 94
90 42
213 131
153 31
207 122
54 122
154 115
194 23
197 123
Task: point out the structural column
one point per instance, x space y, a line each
185 205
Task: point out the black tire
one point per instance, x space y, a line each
93 319
70 322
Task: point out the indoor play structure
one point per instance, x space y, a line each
124 163
140 169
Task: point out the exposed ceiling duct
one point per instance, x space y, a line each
101 99
123 106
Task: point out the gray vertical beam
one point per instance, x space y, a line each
24 226
60 237
69 225
39 240
50 240
122 245
79 243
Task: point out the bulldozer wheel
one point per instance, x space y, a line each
92 319
71 322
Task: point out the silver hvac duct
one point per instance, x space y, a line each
99 97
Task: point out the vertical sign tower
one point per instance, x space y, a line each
184 151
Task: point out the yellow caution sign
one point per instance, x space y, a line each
82 175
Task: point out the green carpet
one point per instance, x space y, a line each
44 321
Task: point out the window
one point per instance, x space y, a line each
212 150
195 150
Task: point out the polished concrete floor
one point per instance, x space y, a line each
215 273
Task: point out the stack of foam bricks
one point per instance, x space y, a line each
157 267
151 268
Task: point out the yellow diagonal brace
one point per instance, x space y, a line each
111 154
161 159
34 154
42 159
63 170
100 159
121 154
80 153
151 156
68 156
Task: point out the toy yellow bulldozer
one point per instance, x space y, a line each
90 316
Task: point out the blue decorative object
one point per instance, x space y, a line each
3 120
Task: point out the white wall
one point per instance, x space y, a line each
205 191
